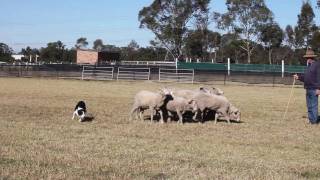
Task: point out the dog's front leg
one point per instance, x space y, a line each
74 113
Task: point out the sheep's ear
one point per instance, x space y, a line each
165 90
161 91
191 101
204 89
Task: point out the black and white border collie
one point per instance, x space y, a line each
80 111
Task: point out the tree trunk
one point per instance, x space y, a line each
270 53
249 52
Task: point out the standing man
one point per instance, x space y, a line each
311 80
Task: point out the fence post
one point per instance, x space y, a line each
118 73
82 73
192 76
176 59
228 66
282 68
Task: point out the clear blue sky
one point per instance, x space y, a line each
36 22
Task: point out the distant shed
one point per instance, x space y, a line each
87 56
93 57
108 56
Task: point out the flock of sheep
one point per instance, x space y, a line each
199 102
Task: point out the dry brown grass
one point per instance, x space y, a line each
38 139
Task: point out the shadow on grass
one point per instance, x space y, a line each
88 118
311 174
188 118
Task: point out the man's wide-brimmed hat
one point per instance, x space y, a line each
310 54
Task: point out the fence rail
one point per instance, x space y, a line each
176 75
268 68
97 73
158 63
202 72
133 73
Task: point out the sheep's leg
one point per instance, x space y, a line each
216 118
133 110
161 117
180 117
195 116
141 115
151 115
169 116
218 115
227 117
202 116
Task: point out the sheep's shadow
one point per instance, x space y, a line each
209 116
188 118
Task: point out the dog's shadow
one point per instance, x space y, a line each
88 118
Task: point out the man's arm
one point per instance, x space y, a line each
318 79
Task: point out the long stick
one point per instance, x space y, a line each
291 94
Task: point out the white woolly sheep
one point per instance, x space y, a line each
149 100
219 104
180 105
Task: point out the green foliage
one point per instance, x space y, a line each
82 43
245 17
305 25
98 44
168 21
56 52
272 36
315 41
5 53
194 44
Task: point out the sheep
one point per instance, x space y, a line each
188 94
212 90
185 93
180 105
219 104
235 113
149 100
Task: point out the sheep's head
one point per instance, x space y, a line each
235 113
217 91
165 91
192 105
166 94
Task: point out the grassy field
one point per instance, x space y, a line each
38 139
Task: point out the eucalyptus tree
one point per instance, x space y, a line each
202 22
271 36
315 41
5 52
290 37
214 42
245 17
53 52
195 47
229 47
27 52
305 26
81 43
168 20
98 44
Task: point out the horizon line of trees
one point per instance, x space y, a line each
182 31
